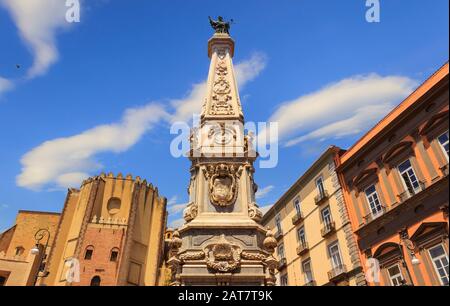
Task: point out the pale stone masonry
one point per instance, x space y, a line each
222 241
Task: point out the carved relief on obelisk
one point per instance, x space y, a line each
222 241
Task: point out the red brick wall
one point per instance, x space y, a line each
103 240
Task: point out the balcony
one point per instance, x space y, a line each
370 217
297 218
302 248
444 170
411 192
337 273
278 235
328 229
321 198
310 284
282 263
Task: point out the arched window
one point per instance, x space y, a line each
96 281
19 250
113 206
89 252
114 256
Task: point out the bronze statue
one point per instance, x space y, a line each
220 25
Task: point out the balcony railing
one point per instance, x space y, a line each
337 272
328 228
278 235
411 192
310 284
370 217
302 248
321 197
444 170
282 263
297 218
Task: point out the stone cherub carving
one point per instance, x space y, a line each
220 25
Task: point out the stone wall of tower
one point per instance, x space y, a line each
111 213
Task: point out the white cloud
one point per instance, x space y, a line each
5 85
37 22
245 71
66 161
263 192
177 223
248 70
174 207
265 209
344 108
172 201
177 208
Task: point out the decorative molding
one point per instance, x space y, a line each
223 186
222 255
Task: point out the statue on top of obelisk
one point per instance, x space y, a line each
220 25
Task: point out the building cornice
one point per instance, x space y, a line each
438 81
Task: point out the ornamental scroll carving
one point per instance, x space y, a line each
222 255
221 91
254 212
222 184
190 212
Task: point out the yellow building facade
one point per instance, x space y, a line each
316 245
18 265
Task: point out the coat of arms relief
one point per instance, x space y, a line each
223 186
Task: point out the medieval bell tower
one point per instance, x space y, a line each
222 241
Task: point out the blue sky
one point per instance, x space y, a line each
99 95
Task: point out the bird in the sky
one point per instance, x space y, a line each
17 66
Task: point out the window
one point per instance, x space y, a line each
320 188
307 271
114 255
440 262
395 275
88 253
19 251
297 206
374 202
96 281
443 140
335 255
278 223
2 281
409 177
280 251
113 206
301 235
284 280
326 216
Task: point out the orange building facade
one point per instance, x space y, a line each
395 185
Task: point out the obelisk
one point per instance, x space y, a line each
222 241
